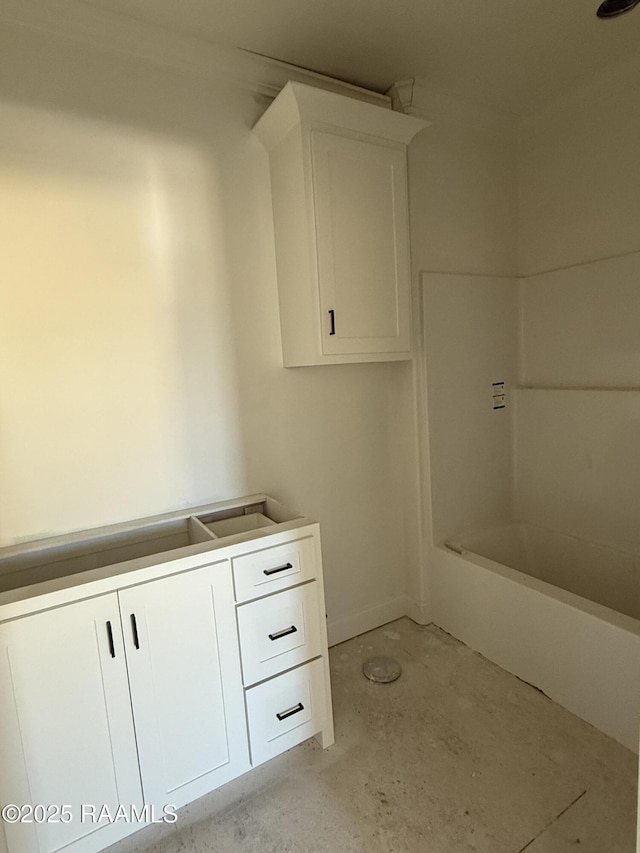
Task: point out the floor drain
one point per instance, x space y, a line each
382 669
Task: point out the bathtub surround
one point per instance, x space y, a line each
575 463
603 575
569 479
570 486
579 258
471 467
579 653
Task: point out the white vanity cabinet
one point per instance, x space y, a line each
186 689
339 193
66 727
130 684
283 646
160 657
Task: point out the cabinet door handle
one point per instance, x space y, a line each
295 709
283 633
134 631
332 314
112 648
277 569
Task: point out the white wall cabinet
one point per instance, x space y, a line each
122 684
339 190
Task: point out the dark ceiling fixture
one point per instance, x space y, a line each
613 8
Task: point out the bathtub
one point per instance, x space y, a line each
557 611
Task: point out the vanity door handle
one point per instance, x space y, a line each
284 633
332 314
134 631
277 569
112 648
295 709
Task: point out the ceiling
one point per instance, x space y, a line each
509 55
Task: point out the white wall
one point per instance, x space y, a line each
580 324
112 232
141 366
579 185
463 188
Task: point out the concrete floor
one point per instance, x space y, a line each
455 756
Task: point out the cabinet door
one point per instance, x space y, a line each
360 195
186 686
66 729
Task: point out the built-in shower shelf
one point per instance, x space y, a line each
632 388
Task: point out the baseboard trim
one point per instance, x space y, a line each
418 611
359 622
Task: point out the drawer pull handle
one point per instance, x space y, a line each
112 648
278 569
290 711
134 631
284 633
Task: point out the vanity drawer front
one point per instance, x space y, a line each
273 569
286 710
279 632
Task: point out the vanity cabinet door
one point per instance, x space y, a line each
186 684
66 729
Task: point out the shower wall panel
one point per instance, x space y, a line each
470 324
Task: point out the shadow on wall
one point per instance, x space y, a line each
113 340
156 382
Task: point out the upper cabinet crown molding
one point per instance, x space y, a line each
418 97
298 103
341 223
